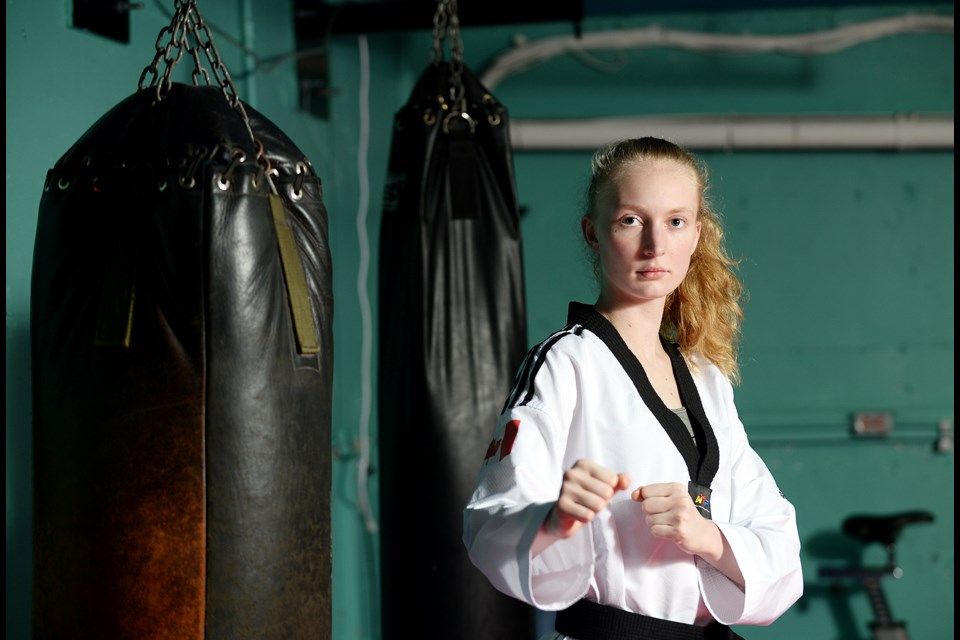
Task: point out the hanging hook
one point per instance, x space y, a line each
455 116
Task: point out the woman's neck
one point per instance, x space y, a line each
638 325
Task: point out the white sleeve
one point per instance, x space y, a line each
762 533
519 481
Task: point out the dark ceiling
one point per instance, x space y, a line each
316 19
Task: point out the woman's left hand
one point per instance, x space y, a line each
671 515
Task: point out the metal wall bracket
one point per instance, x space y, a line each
313 78
108 18
944 436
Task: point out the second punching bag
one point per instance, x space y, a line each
452 330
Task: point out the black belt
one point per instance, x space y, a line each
586 620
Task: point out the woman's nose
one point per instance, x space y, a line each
652 246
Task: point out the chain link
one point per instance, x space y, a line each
189 33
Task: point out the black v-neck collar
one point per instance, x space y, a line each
702 457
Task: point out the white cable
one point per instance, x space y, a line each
366 350
529 54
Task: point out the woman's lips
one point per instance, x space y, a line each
653 274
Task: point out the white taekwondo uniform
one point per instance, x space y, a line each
582 394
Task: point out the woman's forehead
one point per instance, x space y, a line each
662 166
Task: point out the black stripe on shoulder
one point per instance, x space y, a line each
523 385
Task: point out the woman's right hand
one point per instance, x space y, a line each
586 491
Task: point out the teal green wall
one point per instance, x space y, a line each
848 256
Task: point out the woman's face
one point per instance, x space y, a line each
645 231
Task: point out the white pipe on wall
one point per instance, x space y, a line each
899 132
528 54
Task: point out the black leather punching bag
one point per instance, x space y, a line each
182 364
452 330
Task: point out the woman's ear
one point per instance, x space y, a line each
589 233
696 241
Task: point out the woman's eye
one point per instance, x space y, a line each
677 223
630 221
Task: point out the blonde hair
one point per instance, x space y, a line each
704 314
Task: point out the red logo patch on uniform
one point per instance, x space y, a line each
492 449
505 444
509 437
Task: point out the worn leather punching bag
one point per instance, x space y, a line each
182 365
452 330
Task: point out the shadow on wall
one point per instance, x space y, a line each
19 484
835 549
843 574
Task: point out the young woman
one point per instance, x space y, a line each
619 488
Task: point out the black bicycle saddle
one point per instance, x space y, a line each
884 529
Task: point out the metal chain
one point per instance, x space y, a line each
188 32
439 31
446 25
456 60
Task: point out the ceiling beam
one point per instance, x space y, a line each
317 20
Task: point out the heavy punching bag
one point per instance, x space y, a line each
452 330
182 358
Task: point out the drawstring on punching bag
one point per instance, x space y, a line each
181 338
452 331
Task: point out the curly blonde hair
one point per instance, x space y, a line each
703 316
